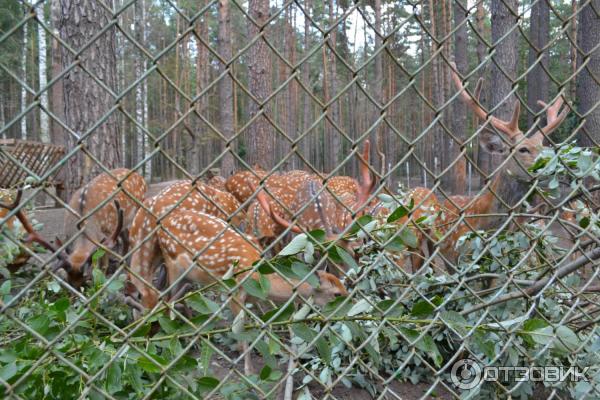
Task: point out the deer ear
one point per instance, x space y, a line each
492 142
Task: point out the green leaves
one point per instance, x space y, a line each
341 256
207 383
283 314
257 288
113 378
201 304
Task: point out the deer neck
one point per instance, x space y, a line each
504 193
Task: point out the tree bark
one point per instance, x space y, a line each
573 49
456 181
85 102
377 135
588 87
140 68
504 67
537 79
260 139
43 78
292 89
332 135
306 118
226 89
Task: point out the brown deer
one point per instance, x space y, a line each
203 248
237 184
425 204
259 222
512 182
179 196
316 208
95 209
218 182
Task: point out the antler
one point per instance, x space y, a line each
510 128
553 117
33 236
264 203
366 179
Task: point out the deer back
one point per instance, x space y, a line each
204 248
238 184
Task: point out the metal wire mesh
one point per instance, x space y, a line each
303 200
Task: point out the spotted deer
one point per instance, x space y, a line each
237 184
317 208
94 210
203 248
179 196
259 222
425 204
512 182
218 182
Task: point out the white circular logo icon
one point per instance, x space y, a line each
466 374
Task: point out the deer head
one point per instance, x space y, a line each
506 135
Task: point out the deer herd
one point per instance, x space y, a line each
201 232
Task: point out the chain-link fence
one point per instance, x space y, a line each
301 199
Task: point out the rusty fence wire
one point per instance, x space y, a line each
299 199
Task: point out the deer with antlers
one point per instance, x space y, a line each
512 182
317 208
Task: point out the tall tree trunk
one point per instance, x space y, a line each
573 49
377 135
260 139
504 67
480 24
58 135
201 137
436 87
43 77
292 89
456 181
332 134
24 96
85 103
537 79
140 68
306 106
588 87
33 116
226 89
